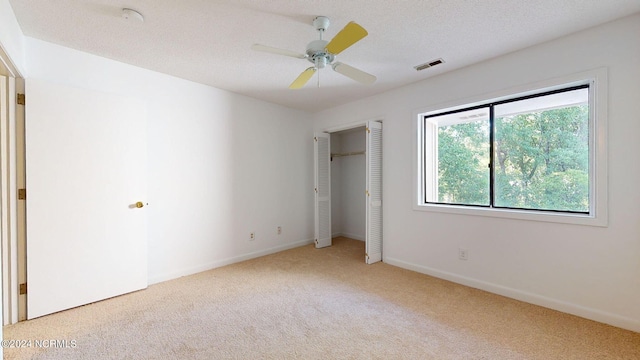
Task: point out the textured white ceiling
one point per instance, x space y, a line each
209 41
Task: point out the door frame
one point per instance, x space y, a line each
13 260
350 126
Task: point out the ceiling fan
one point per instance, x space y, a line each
322 53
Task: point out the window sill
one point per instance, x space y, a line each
563 218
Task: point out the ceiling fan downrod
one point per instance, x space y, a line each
316 50
321 23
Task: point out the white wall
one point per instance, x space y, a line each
11 38
348 177
220 165
336 187
589 271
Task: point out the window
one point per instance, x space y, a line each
531 154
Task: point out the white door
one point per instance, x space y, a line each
86 169
374 193
322 183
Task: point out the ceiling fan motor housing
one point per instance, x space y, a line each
318 55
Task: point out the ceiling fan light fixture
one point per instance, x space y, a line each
320 62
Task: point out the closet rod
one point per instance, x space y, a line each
349 154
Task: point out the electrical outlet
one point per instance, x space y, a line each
463 254
279 230
252 236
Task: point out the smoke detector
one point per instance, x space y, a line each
132 14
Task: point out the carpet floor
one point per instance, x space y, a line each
309 303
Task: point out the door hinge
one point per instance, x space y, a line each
23 289
368 130
20 99
367 192
22 194
315 138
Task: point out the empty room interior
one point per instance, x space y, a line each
315 180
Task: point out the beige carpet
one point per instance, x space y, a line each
307 303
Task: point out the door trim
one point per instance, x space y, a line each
350 126
9 208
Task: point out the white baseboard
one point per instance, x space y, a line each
350 236
563 306
228 261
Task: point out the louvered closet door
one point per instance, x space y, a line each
374 193
322 190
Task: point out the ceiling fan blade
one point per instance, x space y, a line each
348 36
353 73
303 78
272 50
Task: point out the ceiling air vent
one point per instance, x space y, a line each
429 64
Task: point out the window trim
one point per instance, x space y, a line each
598 213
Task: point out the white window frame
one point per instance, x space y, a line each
598 172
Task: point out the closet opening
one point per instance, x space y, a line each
348 179
348 183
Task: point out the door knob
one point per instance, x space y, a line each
139 204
